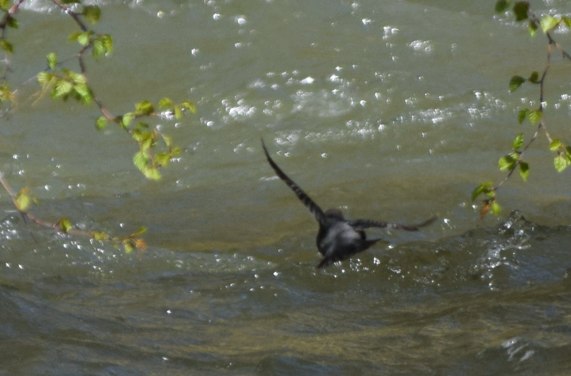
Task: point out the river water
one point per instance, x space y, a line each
389 110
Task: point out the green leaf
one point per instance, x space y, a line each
522 114
84 92
74 76
140 160
560 163
495 208
139 232
108 43
548 22
177 112
52 60
44 78
62 88
83 38
516 82
520 9
555 144
502 5
99 236
188 105
482 188
64 224
6 46
75 95
534 77
98 48
144 108
163 158
152 173
128 246
518 141
77 78
73 36
101 122
534 116
566 21
141 136
165 103
532 28
147 144
127 118
167 140
507 162
91 13
568 153
23 199
524 170
12 22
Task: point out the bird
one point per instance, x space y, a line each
338 238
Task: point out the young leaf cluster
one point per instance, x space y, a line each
65 84
101 44
513 160
146 159
522 12
509 162
563 158
490 203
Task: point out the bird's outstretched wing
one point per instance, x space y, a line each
361 224
303 197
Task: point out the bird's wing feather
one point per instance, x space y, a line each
361 224
303 197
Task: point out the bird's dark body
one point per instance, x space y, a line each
337 238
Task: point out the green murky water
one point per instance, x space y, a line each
391 110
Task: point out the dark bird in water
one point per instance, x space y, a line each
338 238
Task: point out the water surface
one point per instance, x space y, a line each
391 110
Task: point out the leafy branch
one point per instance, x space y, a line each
24 198
64 83
514 160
